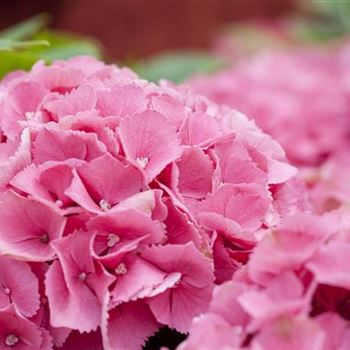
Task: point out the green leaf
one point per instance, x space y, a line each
13 60
14 45
329 19
63 45
177 66
27 28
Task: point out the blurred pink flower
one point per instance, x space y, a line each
292 294
299 97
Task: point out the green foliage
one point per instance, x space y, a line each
328 19
64 45
337 10
177 66
25 43
15 45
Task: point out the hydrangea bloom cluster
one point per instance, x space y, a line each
301 98
293 294
121 203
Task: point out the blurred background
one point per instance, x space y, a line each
138 28
161 38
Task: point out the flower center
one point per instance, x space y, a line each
7 290
121 269
82 276
11 340
142 161
29 115
44 238
112 240
59 203
104 205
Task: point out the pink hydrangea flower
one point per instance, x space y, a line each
121 201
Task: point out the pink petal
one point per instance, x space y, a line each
345 341
224 265
131 100
128 224
280 172
276 300
180 229
225 304
211 332
236 166
79 194
27 181
122 232
91 122
16 162
60 145
226 227
150 141
46 343
75 288
78 100
27 227
109 179
47 182
335 328
146 202
171 108
141 280
58 78
55 179
186 259
290 334
23 97
289 247
128 326
195 173
65 309
18 286
29 335
177 307
329 265
245 204
200 128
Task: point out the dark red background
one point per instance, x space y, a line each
134 28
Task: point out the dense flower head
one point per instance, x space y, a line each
122 202
300 97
